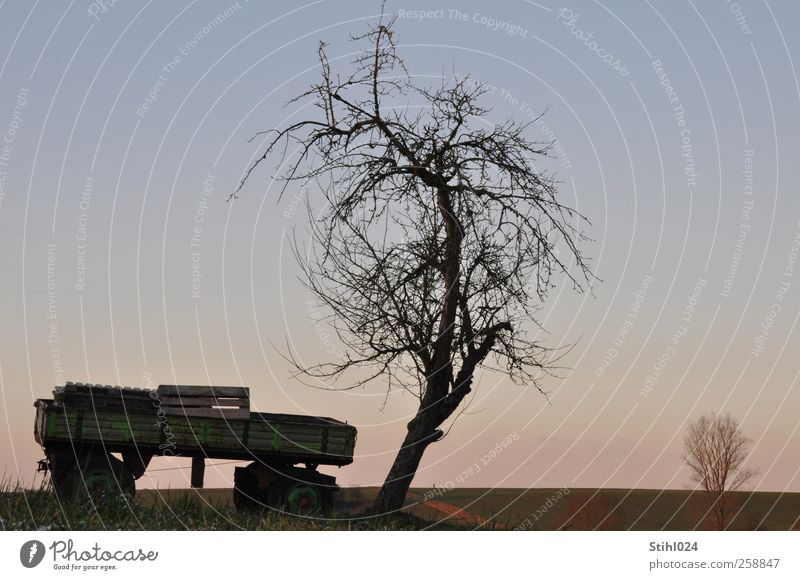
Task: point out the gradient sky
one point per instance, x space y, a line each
124 127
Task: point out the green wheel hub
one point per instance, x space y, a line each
302 498
99 481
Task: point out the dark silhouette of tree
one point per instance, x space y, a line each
437 241
715 449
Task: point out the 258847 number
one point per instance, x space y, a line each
757 562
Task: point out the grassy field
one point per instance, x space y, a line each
455 509
618 509
212 509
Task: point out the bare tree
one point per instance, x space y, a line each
715 449
437 242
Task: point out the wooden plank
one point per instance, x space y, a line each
107 401
103 393
189 390
207 412
118 406
206 401
80 389
107 407
104 398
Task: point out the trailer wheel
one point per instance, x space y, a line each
245 502
63 483
98 476
301 498
246 495
107 476
286 489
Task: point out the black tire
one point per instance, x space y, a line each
98 477
327 506
246 495
246 502
64 484
258 487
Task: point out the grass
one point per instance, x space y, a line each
39 509
487 509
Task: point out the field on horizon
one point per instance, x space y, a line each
458 508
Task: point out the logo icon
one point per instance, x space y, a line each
31 553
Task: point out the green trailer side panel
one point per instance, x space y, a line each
315 440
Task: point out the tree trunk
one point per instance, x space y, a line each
721 512
422 430
393 492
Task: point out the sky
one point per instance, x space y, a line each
125 126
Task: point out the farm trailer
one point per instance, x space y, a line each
83 425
